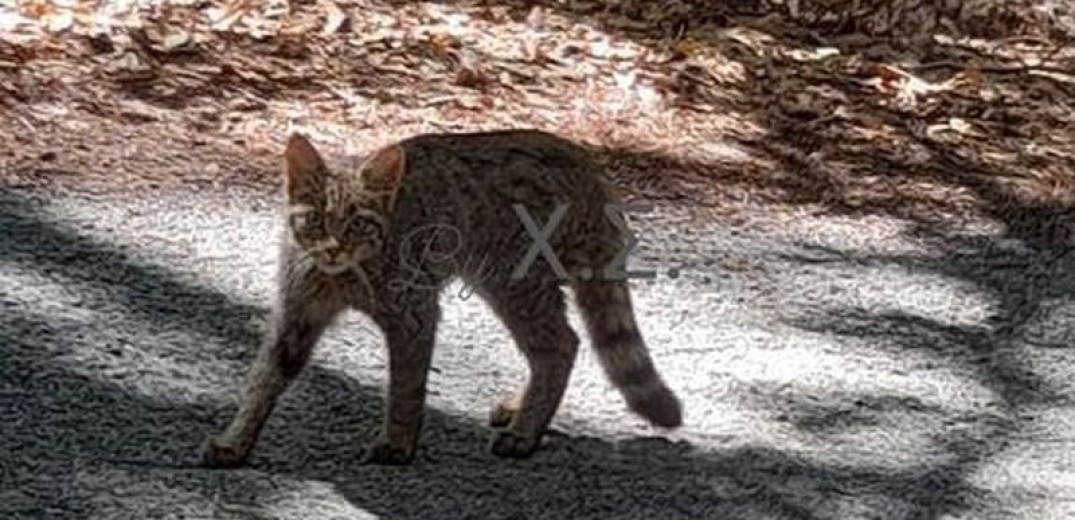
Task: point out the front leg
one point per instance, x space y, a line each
410 334
307 304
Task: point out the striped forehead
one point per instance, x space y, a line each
336 195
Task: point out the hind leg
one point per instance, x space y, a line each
535 314
506 409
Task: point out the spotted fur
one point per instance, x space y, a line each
387 236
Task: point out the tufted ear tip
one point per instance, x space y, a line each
301 163
383 171
384 168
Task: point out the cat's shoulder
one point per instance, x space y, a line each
506 138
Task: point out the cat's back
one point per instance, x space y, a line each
495 141
482 185
477 183
495 157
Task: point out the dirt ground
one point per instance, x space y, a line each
701 104
880 226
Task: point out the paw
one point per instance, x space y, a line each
501 415
219 454
384 453
510 445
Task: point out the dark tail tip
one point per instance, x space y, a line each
658 406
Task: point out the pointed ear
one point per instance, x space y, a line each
383 172
302 165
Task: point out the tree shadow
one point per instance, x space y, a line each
73 461
109 276
852 411
1021 282
837 133
84 442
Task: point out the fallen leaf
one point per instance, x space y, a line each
470 73
962 126
37 10
335 20
223 19
139 111
532 50
176 40
625 79
61 21
536 18
444 45
687 47
889 77
600 48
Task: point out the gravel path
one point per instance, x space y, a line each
830 368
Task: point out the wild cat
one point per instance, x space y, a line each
387 236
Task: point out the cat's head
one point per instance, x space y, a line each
340 218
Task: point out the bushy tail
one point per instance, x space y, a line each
606 309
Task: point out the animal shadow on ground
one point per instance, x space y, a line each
80 440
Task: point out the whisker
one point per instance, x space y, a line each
361 274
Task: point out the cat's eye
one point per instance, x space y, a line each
312 220
367 228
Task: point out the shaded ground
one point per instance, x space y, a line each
859 373
874 316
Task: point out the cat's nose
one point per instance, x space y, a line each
330 248
335 254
